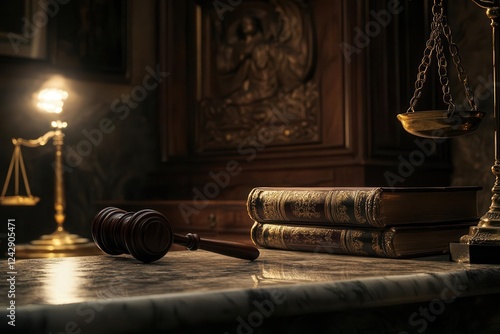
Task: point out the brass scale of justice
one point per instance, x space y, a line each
481 245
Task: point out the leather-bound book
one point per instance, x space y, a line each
393 242
367 207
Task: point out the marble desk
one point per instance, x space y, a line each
280 292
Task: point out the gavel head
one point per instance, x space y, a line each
146 234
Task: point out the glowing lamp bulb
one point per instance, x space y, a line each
51 100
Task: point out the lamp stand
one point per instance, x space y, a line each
482 244
60 243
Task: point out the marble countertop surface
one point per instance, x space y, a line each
88 293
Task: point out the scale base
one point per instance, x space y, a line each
17 200
481 245
57 244
475 254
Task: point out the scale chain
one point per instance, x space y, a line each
462 75
439 26
443 63
422 71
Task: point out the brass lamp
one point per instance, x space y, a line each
60 242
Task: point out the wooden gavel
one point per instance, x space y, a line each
147 235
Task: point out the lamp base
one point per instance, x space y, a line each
57 244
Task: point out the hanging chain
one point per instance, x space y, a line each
422 70
430 46
439 26
462 75
441 59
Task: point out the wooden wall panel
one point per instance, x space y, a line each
360 94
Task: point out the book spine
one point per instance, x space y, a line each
359 207
369 242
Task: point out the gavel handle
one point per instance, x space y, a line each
234 249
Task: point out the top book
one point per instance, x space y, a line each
375 206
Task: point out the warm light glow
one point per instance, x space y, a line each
51 100
59 124
63 281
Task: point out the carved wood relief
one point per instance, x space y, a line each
256 67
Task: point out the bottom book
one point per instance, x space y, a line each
390 242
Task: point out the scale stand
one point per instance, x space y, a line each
482 244
60 243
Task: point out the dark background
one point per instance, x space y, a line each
102 49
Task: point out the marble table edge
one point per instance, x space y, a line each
174 310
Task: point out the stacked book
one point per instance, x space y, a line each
382 222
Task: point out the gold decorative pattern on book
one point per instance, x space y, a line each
252 204
354 244
364 207
339 209
327 243
305 205
388 245
393 242
343 240
372 207
274 206
360 206
279 237
376 244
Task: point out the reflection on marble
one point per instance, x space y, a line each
186 289
64 284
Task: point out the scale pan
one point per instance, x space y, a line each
437 123
19 200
